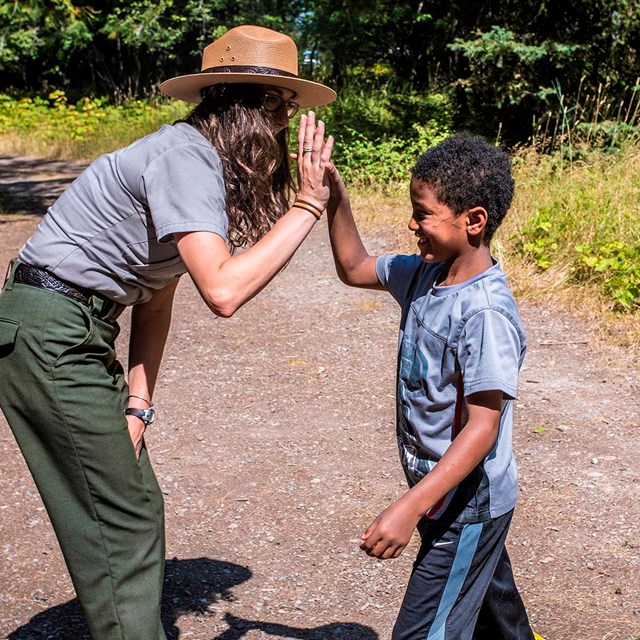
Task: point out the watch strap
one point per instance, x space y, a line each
146 415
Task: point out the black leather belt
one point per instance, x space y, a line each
36 277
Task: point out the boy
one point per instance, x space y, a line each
460 349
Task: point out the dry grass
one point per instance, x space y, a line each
584 302
14 143
54 129
588 200
385 216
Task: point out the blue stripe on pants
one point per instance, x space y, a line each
461 564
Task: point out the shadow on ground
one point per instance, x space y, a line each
30 185
238 627
190 587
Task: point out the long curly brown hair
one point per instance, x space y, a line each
255 160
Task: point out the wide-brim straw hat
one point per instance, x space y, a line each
252 55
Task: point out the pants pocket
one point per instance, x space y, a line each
8 335
66 332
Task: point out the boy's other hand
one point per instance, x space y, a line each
389 534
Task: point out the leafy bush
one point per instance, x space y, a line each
380 130
613 265
579 217
53 127
379 134
537 241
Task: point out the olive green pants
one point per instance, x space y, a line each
63 393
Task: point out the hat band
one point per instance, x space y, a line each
266 71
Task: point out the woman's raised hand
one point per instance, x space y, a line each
314 155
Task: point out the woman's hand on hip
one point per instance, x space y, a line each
136 430
314 154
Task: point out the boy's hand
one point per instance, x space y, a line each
389 534
338 190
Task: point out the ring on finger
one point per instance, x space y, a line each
307 149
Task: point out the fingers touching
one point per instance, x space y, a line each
314 155
311 140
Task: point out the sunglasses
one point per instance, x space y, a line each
273 103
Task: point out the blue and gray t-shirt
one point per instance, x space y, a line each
455 341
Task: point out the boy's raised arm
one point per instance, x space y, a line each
354 265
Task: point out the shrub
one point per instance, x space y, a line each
615 267
380 130
55 128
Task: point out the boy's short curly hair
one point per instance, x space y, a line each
466 171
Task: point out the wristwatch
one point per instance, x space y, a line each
146 415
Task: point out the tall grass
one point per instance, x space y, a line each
380 129
572 230
51 127
589 121
575 224
578 199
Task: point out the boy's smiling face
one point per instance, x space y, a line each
442 236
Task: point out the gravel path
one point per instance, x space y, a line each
274 445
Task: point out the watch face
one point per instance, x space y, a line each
146 415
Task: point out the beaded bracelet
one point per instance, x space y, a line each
307 206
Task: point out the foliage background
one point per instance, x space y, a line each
500 63
555 82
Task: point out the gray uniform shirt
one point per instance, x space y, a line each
111 230
455 341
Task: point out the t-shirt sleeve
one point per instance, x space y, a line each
489 353
185 191
396 273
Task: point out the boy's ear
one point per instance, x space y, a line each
476 220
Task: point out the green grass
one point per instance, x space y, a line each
579 219
52 128
571 234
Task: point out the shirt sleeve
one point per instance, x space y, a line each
490 353
396 273
185 191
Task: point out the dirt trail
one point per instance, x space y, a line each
275 448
